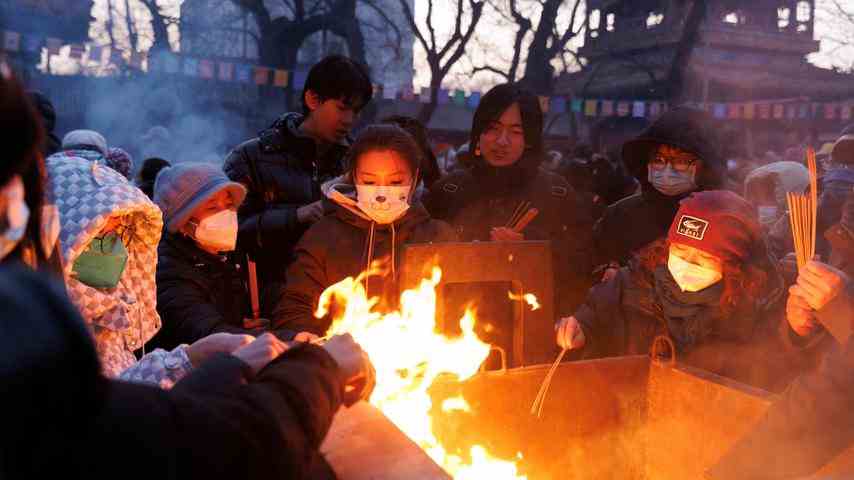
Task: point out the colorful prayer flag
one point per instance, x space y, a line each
425 95
577 105
639 110
623 109
76 51
32 43
444 97
749 111
474 100
191 67
764 111
53 46
557 105
607 108
206 69
830 111
734 111
791 112
11 41
460 98
299 79
590 108
262 75
407 95
845 112
654 109
96 53
803 111
244 73
779 111
225 71
280 78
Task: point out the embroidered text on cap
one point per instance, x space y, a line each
692 227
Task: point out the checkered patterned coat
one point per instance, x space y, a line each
87 195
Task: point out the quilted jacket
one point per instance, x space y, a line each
87 195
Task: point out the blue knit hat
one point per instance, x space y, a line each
180 189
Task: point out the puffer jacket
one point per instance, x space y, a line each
221 421
282 170
199 293
344 244
87 195
480 198
638 220
623 316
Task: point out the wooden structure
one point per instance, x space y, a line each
744 51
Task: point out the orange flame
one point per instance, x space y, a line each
408 356
528 298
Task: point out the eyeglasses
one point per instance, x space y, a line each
680 163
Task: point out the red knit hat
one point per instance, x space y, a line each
717 222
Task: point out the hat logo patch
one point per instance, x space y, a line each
692 227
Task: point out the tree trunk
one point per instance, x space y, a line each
690 38
539 73
158 25
428 109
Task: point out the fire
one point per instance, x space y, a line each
528 298
408 356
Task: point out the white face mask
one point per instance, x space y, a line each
690 277
383 204
218 232
767 214
17 216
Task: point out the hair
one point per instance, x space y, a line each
429 165
337 77
148 174
496 102
742 281
25 135
386 137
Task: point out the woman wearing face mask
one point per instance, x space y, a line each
506 151
374 214
109 235
766 188
28 228
710 286
675 156
201 279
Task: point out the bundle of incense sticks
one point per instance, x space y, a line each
537 407
803 210
522 216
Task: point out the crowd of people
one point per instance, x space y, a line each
176 304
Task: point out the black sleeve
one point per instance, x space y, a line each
804 429
184 306
261 224
306 282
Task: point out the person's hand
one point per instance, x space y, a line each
504 234
305 337
818 284
355 367
205 348
261 352
310 213
569 333
800 315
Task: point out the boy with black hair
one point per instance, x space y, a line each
285 166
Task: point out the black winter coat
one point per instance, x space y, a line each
217 423
640 219
752 345
283 171
337 247
808 426
199 293
474 201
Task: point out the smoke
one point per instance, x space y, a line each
179 120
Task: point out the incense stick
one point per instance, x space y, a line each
803 211
540 400
523 222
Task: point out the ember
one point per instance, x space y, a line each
409 355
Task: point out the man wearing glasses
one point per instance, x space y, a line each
675 156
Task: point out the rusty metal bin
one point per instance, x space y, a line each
617 418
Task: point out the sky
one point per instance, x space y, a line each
495 35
